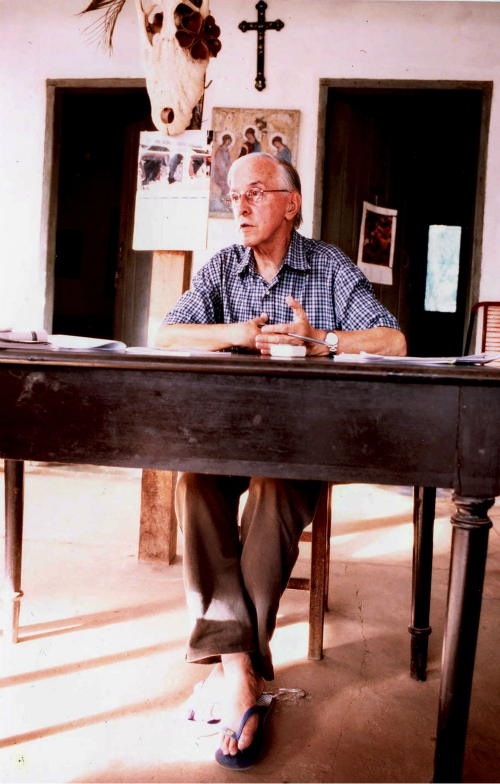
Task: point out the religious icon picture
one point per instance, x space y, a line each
238 132
376 243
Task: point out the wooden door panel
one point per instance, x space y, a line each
415 151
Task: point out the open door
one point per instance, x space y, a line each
92 201
134 268
416 151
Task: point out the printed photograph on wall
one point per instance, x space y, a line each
376 243
239 132
173 182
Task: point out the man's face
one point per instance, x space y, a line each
259 223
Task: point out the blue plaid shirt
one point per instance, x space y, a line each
332 290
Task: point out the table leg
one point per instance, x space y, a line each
317 586
424 509
468 560
14 508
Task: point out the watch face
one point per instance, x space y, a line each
332 339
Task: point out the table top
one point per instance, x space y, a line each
385 423
250 362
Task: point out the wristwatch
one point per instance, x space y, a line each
333 342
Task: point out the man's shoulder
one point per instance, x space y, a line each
231 254
318 250
228 257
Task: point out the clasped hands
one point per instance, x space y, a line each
265 335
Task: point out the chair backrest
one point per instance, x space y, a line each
490 326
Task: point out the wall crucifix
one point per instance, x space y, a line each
261 26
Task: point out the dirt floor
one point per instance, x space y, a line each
94 690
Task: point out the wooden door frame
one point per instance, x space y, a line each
486 89
51 160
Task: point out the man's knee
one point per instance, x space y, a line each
187 482
293 493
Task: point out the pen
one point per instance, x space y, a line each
311 340
303 337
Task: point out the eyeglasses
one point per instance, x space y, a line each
253 196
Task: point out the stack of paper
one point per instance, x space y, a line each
146 351
41 339
471 359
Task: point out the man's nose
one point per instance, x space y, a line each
243 205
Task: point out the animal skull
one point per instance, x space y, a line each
177 40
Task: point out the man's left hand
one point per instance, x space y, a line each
278 333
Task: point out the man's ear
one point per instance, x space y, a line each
293 205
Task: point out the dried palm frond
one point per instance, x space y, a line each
102 29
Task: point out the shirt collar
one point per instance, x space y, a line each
296 256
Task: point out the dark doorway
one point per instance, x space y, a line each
92 128
417 151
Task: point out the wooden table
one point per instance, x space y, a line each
303 419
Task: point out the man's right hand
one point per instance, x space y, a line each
211 337
245 332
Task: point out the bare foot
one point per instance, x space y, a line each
214 684
242 687
204 706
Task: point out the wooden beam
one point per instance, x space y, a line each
158 528
170 278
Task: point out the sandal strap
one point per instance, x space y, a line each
228 731
236 735
263 703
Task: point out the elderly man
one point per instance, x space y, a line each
251 296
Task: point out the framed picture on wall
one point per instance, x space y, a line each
239 132
377 238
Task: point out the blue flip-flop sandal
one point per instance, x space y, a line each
245 758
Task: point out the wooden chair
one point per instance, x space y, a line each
489 323
424 502
318 582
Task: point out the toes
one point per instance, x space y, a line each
231 746
228 745
248 732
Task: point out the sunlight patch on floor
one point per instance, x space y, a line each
289 643
363 502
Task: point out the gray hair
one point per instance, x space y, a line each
287 174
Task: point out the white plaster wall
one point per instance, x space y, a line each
321 39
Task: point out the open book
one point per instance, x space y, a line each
74 343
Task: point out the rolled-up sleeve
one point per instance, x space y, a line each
201 304
356 306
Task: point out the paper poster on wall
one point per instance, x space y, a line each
173 187
376 243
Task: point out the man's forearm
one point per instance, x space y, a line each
379 340
212 337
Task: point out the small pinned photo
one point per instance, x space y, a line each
377 239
